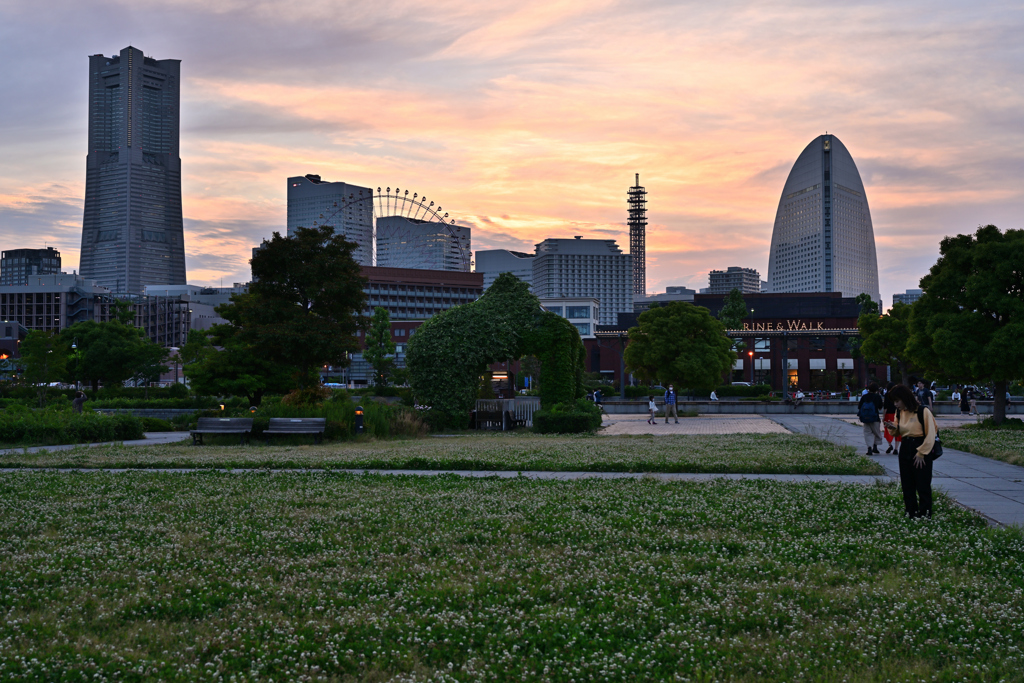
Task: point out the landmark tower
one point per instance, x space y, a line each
637 199
132 231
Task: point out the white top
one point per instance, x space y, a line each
956 396
714 396
651 406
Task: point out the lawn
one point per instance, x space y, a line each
328 576
1000 444
744 453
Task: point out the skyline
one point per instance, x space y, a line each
529 121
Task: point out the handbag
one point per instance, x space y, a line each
937 447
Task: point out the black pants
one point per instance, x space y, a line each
916 481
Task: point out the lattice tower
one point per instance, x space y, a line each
637 197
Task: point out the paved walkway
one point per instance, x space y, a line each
152 439
619 424
992 488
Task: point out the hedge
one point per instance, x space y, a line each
47 428
568 418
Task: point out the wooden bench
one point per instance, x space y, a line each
222 425
296 425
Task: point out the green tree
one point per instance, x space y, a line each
380 349
222 364
110 352
304 305
969 322
734 310
123 311
867 304
44 357
148 364
883 339
681 344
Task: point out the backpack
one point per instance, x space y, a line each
868 412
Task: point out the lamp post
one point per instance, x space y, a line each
751 355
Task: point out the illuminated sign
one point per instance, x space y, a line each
783 325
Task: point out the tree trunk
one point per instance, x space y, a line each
999 407
95 385
904 375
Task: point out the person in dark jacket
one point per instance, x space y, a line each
78 400
889 410
869 408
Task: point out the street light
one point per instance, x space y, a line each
751 354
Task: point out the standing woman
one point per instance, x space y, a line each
965 404
889 415
916 443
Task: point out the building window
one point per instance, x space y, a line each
576 312
557 310
817 343
762 344
584 328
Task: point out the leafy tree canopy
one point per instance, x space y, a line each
884 338
681 344
221 364
380 348
110 352
969 322
305 304
44 356
733 311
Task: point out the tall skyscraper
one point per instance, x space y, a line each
404 242
348 209
637 201
823 240
585 268
132 232
18 265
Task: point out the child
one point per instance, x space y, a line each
652 409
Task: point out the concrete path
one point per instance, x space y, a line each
152 439
619 424
992 488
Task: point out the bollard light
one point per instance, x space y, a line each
252 409
222 406
359 419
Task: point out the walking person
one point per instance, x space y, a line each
869 410
670 404
652 409
924 395
972 399
889 412
965 401
916 426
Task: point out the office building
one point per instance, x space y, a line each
51 303
671 294
908 297
582 312
747 280
404 242
203 301
585 268
823 240
17 265
132 232
494 262
313 202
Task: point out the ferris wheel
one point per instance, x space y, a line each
407 232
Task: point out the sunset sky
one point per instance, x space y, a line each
528 119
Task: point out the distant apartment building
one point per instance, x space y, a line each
747 280
494 262
582 312
203 301
18 265
404 242
348 209
671 294
908 297
585 268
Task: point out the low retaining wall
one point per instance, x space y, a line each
778 407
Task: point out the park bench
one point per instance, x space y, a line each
296 425
222 425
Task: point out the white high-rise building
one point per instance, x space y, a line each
823 240
908 297
494 262
585 268
313 202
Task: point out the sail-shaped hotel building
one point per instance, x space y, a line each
823 240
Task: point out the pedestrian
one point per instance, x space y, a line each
868 411
590 395
714 396
597 396
924 395
965 401
972 399
955 396
78 400
889 412
799 398
652 409
915 423
670 404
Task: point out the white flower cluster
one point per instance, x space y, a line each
319 577
721 453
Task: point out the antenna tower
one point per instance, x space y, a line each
638 237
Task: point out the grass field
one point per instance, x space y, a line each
746 453
1000 444
319 576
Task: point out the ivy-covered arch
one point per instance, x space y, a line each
450 351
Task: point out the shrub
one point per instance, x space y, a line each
155 424
22 426
307 397
568 418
